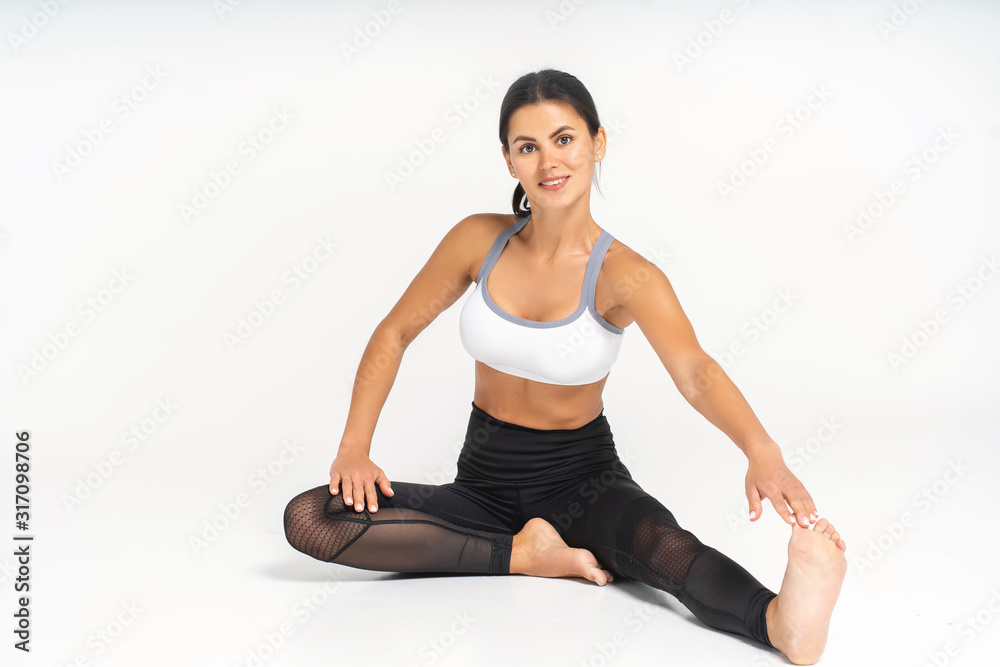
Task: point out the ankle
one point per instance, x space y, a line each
773 625
518 554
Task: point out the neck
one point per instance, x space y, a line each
553 234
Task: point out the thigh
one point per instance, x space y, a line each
464 505
610 515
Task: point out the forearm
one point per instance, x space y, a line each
375 377
710 391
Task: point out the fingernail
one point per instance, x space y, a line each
371 508
753 514
348 500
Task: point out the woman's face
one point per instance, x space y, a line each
549 141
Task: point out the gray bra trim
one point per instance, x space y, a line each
589 280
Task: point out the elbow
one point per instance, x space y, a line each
699 376
396 338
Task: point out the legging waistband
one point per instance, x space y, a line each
600 422
502 451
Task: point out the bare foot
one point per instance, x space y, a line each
799 618
540 551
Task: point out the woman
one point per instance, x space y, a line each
540 489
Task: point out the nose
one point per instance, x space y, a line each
549 160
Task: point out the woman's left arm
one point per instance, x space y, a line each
644 290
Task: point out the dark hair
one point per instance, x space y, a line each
534 87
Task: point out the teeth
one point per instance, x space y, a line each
554 182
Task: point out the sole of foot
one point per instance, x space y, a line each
800 616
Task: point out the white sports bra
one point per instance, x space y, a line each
578 349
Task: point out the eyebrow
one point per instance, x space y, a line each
520 137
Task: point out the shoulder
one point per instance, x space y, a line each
625 266
478 233
486 225
472 231
633 282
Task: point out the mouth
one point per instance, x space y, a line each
554 184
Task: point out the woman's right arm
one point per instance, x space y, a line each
438 285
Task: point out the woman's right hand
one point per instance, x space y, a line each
358 475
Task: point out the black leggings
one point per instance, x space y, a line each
508 474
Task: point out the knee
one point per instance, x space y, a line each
667 541
656 542
302 512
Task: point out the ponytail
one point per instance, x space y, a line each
516 202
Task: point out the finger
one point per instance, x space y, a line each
348 486
358 492
754 497
372 496
804 507
334 482
383 483
811 508
778 503
781 505
798 509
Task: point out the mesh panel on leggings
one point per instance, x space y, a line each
655 550
393 539
652 548
309 530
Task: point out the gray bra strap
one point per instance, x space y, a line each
497 248
594 267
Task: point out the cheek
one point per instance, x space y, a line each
579 157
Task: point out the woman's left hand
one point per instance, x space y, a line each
769 477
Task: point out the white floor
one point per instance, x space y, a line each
165 443
126 556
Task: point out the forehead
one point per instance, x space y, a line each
541 116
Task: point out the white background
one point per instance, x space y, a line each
895 77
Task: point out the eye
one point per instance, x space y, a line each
564 136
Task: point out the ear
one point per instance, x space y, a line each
506 158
